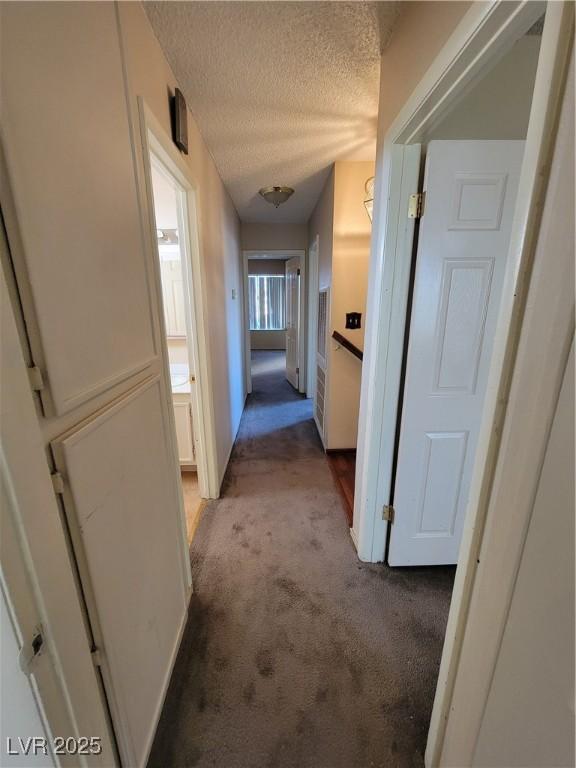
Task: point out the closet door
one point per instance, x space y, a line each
67 145
77 241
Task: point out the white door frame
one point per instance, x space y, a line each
284 255
156 143
312 316
482 35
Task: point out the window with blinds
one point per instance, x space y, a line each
267 302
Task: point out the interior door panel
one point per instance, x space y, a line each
470 194
74 192
118 502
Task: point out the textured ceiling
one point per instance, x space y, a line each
280 90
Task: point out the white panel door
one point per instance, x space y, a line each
293 320
66 139
470 191
119 500
173 298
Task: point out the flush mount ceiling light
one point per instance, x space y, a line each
276 195
369 199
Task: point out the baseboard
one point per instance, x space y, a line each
332 451
165 686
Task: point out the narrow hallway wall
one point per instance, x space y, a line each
151 77
262 236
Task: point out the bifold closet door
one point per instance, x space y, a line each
78 241
66 136
118 494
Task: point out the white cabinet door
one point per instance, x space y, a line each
292 320
462 248
83 267
118 498
184 434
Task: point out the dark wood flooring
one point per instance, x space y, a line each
343 466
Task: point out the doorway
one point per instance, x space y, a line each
169 206
388 368
275 315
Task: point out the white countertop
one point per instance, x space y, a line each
180 378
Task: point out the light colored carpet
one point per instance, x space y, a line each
297 655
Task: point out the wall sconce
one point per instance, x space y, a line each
369 199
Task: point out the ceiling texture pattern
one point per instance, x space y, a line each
280 90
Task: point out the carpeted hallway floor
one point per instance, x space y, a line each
296 654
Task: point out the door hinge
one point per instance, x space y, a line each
30 651
298 272
36 378
96 657
58 483
388 513
416 205
297 371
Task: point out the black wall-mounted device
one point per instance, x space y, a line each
353 320
179 121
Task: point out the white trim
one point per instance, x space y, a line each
155 141
482 35
265 254
165 686
383 380
533 353
312 315
302 325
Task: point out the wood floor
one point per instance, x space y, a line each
343 466
193 502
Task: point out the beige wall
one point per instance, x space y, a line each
498 107
421 31
273 237
151 77
350 262
321 224
268 339
266 267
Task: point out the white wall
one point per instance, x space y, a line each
151 77
529 715
498 107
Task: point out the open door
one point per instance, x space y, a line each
470 192
293 317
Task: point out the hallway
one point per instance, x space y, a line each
296 654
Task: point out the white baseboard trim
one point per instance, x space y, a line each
165 685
